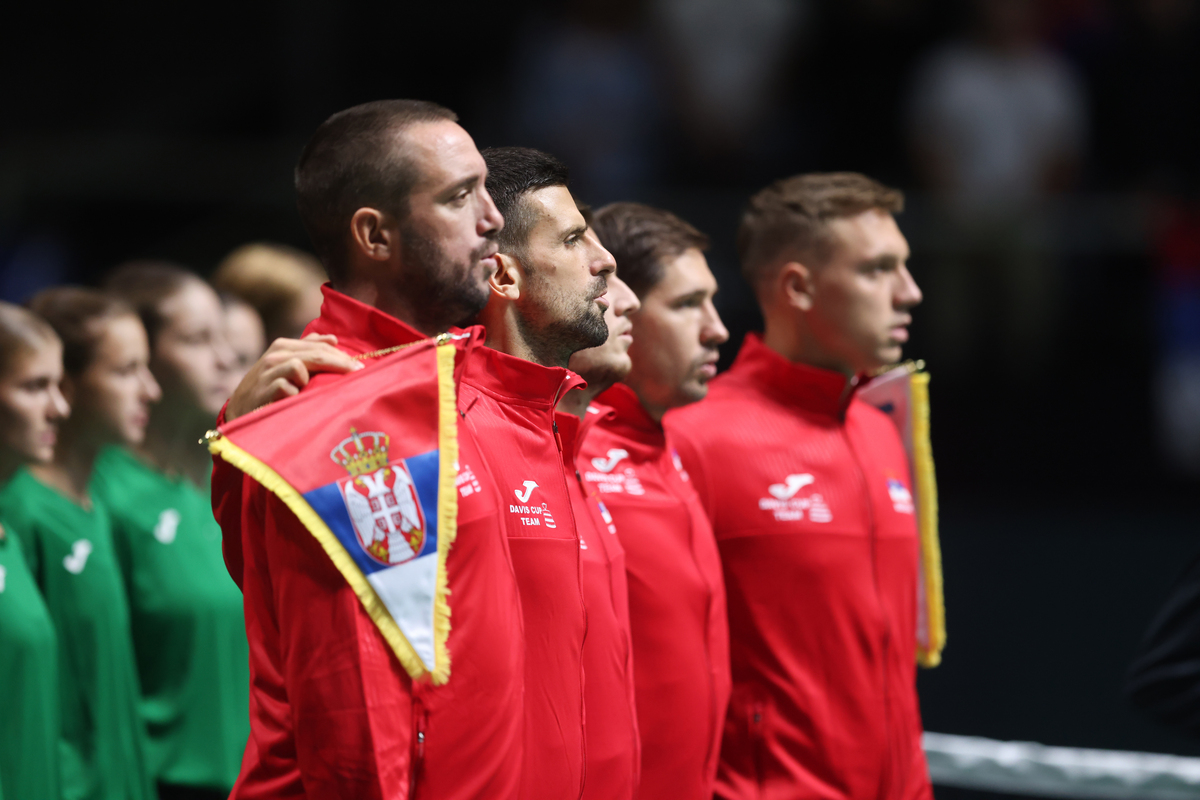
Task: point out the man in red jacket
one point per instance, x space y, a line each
676 593
549 299
806 488
394 198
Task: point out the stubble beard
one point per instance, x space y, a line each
561 332
445 292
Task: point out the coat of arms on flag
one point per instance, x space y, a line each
903 394
367 463
381 498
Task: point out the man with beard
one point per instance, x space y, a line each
676 592
393 196
805 485
549 298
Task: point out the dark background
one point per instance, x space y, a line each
142 131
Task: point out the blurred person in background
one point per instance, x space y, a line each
67 538
997 124
281 283
806 488
31 409
188 628
189 356
245 334
677 604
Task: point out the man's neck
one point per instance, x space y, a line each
577 401
394 304
506 334
800 348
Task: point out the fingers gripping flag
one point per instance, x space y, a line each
903 394
367 464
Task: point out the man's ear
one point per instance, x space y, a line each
794 285
508 278
374 234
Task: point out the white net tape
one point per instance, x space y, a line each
972 762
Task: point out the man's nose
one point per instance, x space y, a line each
604 263
908 294
714 331
491 220
624 301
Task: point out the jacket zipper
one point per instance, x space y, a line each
885 782
420 722
575 527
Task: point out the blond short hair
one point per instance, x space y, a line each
272 278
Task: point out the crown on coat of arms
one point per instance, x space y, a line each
361 453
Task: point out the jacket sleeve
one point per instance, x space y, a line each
227 496
1164 679
349 700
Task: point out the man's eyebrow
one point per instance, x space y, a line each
465 183
886 261
578 230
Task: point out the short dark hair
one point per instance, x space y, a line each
514 172
790 218
144 285
642 239
76 314
352 162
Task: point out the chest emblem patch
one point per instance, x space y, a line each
77 560
167 525
381 499
902 499
786 506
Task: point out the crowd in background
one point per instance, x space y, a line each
133 654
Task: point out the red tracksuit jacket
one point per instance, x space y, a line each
807 489
332 712
508 406
611 719
676 598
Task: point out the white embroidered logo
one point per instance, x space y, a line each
80 551
524 496
609 464
787 507
466 481
793 484
168 523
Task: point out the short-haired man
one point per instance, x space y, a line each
676 594
549 298
820 563
393 196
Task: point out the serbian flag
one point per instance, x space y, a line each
367 464
903 394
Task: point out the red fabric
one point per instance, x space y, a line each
821 572
508 404
332 712
676 598
611 721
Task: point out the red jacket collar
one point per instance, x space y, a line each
360 328
631 418
515 380
574 430
811 388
